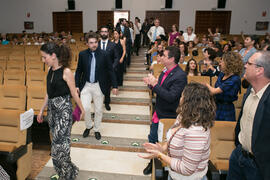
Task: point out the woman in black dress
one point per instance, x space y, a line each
60 88
121 45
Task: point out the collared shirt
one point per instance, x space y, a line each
166 73
159 31
106 43
247 119
137 30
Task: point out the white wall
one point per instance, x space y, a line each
13 13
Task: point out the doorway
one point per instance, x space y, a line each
105 18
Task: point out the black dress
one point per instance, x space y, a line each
120 69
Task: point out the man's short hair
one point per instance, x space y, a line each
173 52
264 61
104 27
90 36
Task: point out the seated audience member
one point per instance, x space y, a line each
192 68
158 60
188 140
183 53
39 41
4 39
238 47
157 47
173 35
249 49
191 45
208 66
189 35
14 40
227 86
226 48
215 36
203 43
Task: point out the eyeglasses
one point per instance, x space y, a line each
249 63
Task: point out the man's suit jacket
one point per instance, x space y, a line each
103 72
169 93
112 52
260 143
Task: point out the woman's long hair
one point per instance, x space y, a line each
62 52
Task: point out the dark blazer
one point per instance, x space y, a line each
104 70
169 93
260 132
112 52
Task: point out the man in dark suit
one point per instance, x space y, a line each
251 158
92 75
168 87
126 33
108 46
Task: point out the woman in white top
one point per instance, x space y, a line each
216 36
189 35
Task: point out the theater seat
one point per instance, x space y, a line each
158 171
13 97
222 145
199 79
35 97
14 77
15 153
36 78
158 68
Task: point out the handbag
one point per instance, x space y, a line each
76 114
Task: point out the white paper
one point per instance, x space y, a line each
26 119
160 131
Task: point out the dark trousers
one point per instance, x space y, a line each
120 73
242 167
107 96
145 40
128 52
137 43
153 135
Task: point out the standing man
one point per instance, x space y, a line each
92 74
251 158
126 33
155 31
137 30
109 47
168 88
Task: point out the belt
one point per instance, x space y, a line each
247 154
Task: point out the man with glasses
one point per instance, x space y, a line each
168 87
106 45
92 75
251 158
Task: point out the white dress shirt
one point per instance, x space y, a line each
159 31
101 44
137 30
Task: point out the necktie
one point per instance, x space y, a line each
93 68
103 46
155 34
